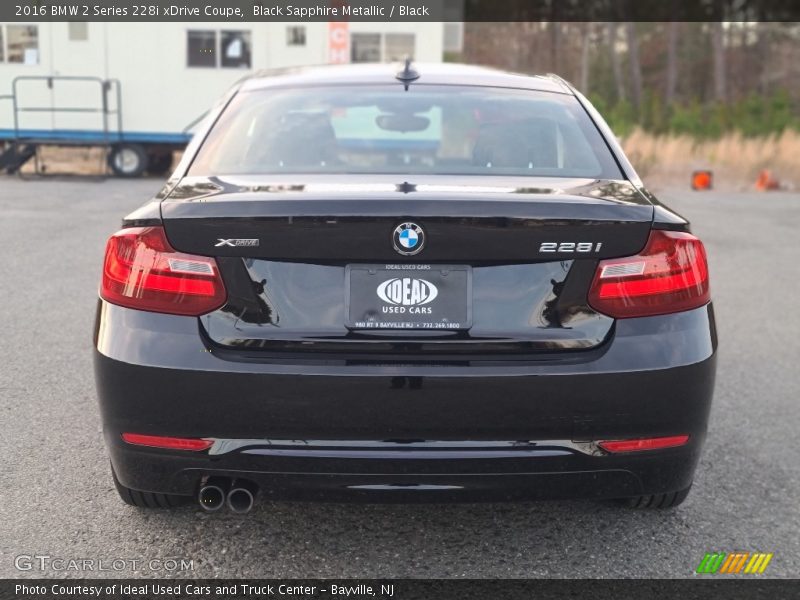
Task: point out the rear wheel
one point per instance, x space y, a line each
127 160
667 500
148 499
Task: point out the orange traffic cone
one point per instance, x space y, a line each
702 180
766 181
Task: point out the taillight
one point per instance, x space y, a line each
142 271
638 445
168 443
669 275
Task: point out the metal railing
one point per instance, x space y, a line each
111 115
105 87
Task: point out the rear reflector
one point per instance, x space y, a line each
643 444
142 271
670 275
170 443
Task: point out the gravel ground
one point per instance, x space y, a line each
57 498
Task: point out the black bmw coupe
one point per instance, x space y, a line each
426 282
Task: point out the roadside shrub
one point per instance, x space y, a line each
755 115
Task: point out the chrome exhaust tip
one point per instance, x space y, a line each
211 496
241 496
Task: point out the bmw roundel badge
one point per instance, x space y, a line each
408 238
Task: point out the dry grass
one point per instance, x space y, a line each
735 160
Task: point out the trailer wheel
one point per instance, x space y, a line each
127 160
159 163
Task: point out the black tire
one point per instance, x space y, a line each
159 163
127 160
668 500
148 499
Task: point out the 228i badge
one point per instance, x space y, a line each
275 323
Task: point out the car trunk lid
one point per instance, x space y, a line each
304 263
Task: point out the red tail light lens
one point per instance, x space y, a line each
169 443
142 271
670 275
644 444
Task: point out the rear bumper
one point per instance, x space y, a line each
316 429
367 474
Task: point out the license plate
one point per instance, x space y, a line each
408 296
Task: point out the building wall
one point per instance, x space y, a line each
160 92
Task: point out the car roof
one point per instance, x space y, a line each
383 73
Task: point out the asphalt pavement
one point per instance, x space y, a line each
57 498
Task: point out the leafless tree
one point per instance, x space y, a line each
672 62
555 47
585 58
718 54
634 64
679 62
616 67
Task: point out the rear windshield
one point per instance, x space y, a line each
427 130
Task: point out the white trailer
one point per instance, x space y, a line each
136 89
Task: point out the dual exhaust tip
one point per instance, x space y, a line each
238 494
